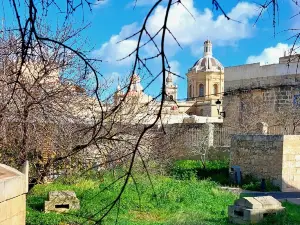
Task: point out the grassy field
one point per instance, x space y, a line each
174 201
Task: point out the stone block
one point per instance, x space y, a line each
61 201
3 211
12 196
19 218
253 209
248 202
16 206
2 191
14 187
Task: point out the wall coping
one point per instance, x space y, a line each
13 183
258 137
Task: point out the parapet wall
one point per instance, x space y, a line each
13 189
255 70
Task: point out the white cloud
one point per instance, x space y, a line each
175 68
270 55
295 20
141 3
112 51
99 3
192 32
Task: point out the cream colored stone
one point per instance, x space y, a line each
3 211
16 205
12 196
19 218
14 187
61 201
252 210
2 191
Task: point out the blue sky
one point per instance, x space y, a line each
233 43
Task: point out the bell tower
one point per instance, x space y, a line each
171 89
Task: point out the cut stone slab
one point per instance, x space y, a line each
13 189
253 209
61 201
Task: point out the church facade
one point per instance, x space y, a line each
208 82
205 86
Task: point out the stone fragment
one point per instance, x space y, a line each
61 201
253 209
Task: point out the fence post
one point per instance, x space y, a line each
210 134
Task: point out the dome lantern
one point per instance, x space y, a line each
208 63
207 48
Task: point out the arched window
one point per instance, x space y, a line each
171 97
216 89
201 90
190 91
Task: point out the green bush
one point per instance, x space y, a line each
215 170
252 184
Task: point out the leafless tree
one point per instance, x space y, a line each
33 47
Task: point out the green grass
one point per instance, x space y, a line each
190 196
217 171
174 202
291 216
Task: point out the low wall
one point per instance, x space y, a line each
291 163
13 189
214 153
274 157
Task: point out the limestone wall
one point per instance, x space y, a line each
274 157
291 163
255 70
258 155
13 189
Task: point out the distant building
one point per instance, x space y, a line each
267 89
205 87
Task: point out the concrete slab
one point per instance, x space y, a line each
295 201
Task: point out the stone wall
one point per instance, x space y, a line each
274 86
274 157
189 141
250 73
291 163
13 189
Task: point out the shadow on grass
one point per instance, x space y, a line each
36 203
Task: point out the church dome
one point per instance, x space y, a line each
207 63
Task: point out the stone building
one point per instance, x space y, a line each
171 89
267 90
205 83
205 86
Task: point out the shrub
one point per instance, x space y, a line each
252 184
216 170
